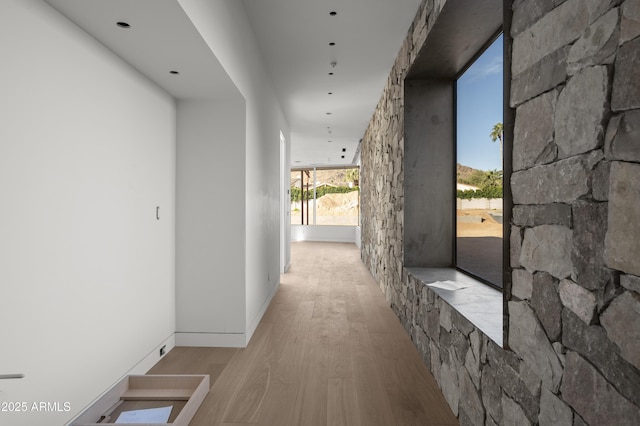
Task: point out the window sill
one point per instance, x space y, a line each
477 302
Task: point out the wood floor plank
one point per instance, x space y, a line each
404 378
373 401
342 403
340 356
253 381
278 405
328 351
311 399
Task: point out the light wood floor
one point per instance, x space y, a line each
328 352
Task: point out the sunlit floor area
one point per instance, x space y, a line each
329 351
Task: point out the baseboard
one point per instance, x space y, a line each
153 357
263 309
212 340
323 233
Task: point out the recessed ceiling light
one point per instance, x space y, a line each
328 113
333 13
331 93
174 72
123 24
332 44
342 156
330 73
329 141
344 149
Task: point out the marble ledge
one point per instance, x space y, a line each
477 302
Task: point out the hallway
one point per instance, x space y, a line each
328 352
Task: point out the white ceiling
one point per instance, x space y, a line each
161 39
294 37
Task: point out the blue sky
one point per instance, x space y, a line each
479 107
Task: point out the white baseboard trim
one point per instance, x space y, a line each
323 233
263 309
212 340
152 359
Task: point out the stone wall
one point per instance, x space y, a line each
574 300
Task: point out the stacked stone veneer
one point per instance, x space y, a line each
574 300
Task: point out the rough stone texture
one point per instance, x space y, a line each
445 316
470 401
521 284
610 291
622 325
626 78
630 282
547 248
580 111
547 305
580 301
472 364
556 29
600 181
491 395
569 193
529 340
534 132
597 44
527 13
546 74
597 8
578 421
560 351
553 412
436 366
593 397
546 214
623 137
505 368
449 386
512 414
515 241
561 182
622 241
588 245
476 343
530 379
490 422
630 25
593 344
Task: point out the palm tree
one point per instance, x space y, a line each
496 133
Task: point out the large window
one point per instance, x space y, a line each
479 164
325 197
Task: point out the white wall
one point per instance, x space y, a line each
87 152
225 27
210 223
326 233
479 203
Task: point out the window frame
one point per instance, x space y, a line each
505 223
313 190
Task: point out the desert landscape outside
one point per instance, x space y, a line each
337 197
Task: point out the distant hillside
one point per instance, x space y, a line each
463 173
336 177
